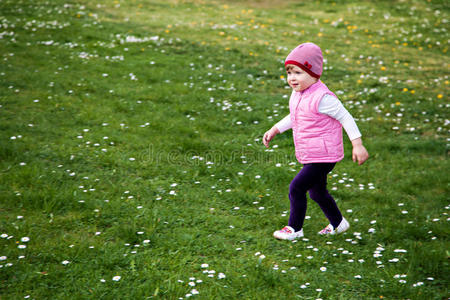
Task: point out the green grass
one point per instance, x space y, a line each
149 179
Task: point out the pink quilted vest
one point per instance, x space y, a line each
317 137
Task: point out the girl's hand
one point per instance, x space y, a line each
269 135
359 153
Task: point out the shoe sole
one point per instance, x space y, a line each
287 238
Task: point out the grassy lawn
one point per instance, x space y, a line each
132 166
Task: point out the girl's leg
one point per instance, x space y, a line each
319 194
309 176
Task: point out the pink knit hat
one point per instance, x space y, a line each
308 57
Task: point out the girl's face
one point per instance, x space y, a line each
298 79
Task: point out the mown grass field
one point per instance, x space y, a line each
132 167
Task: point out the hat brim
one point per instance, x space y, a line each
301 66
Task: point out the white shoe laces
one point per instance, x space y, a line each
286 230
326 230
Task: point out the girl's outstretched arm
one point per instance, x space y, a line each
269 135
280 127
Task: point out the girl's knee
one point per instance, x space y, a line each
317 195
296 189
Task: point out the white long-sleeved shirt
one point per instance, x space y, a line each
332 107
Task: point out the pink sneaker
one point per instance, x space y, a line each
343 226
288 233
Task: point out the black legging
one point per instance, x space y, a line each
312 178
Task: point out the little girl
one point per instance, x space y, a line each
316 118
